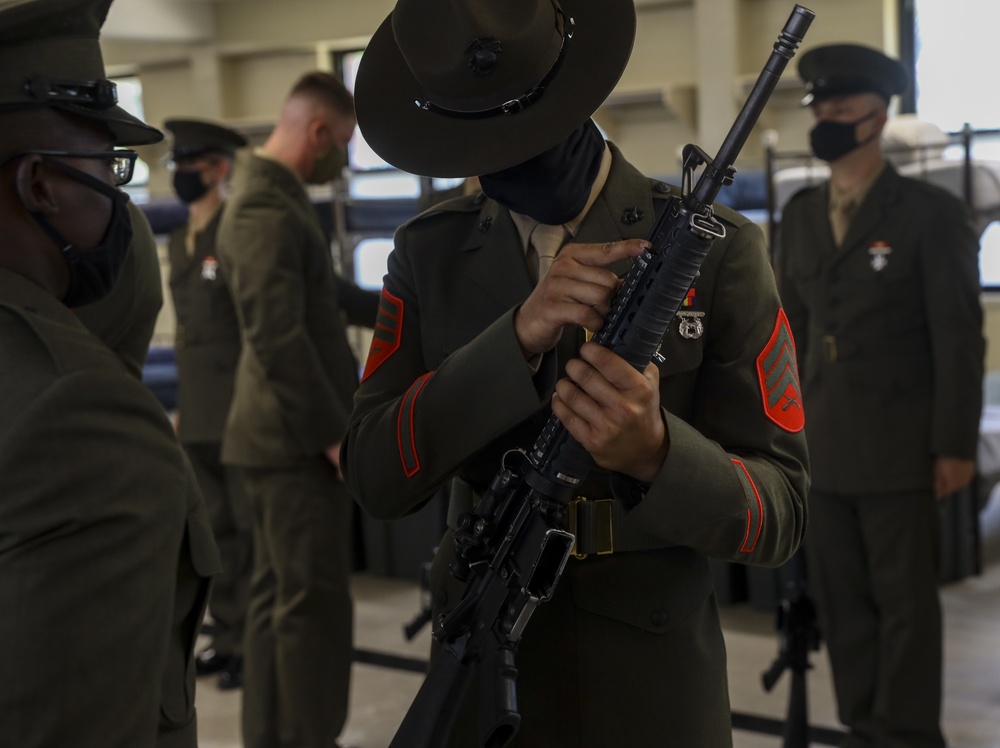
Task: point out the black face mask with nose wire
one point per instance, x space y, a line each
553 187
831 140
189 186
93 272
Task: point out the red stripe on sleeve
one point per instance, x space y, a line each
404 427
748 544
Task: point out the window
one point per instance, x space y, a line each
955 58
952 48
380 196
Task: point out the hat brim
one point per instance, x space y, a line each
126 129
432 144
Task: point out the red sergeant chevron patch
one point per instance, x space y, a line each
388 330
778 374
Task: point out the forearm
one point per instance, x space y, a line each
412 429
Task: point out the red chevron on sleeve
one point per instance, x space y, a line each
388 331
778 374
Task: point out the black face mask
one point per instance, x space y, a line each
189 186
554 186
93 272
832 140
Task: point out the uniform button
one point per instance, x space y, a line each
478 199
662 187
659 618
631 215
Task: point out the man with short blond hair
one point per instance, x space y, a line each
294 383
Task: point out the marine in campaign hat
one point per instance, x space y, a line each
839 69
484 304
525 75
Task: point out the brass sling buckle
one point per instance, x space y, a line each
591 524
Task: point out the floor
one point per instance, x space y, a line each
381 695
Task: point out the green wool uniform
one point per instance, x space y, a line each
294 383
125 318
207 347
889 333
105 548
629 652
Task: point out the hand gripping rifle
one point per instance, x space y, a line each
512 548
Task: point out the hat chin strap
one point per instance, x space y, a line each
522 102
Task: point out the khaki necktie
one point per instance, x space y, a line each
544 244
840 219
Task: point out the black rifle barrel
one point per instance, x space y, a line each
658 281
784 49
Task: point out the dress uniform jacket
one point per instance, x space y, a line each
296 374
105 551
125 319
889 333
446 391
294 383
207 343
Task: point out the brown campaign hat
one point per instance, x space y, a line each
839 69
455 89
195 137
50 57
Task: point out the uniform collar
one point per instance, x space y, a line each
526 224
196 228
858 192
873 211
260 153
21 293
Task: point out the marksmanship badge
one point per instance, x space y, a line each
209 269
879 252
689 325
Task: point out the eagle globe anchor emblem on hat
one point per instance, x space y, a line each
458 89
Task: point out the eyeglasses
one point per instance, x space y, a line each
121 164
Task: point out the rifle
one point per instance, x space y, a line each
512 548
799 634
423 616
